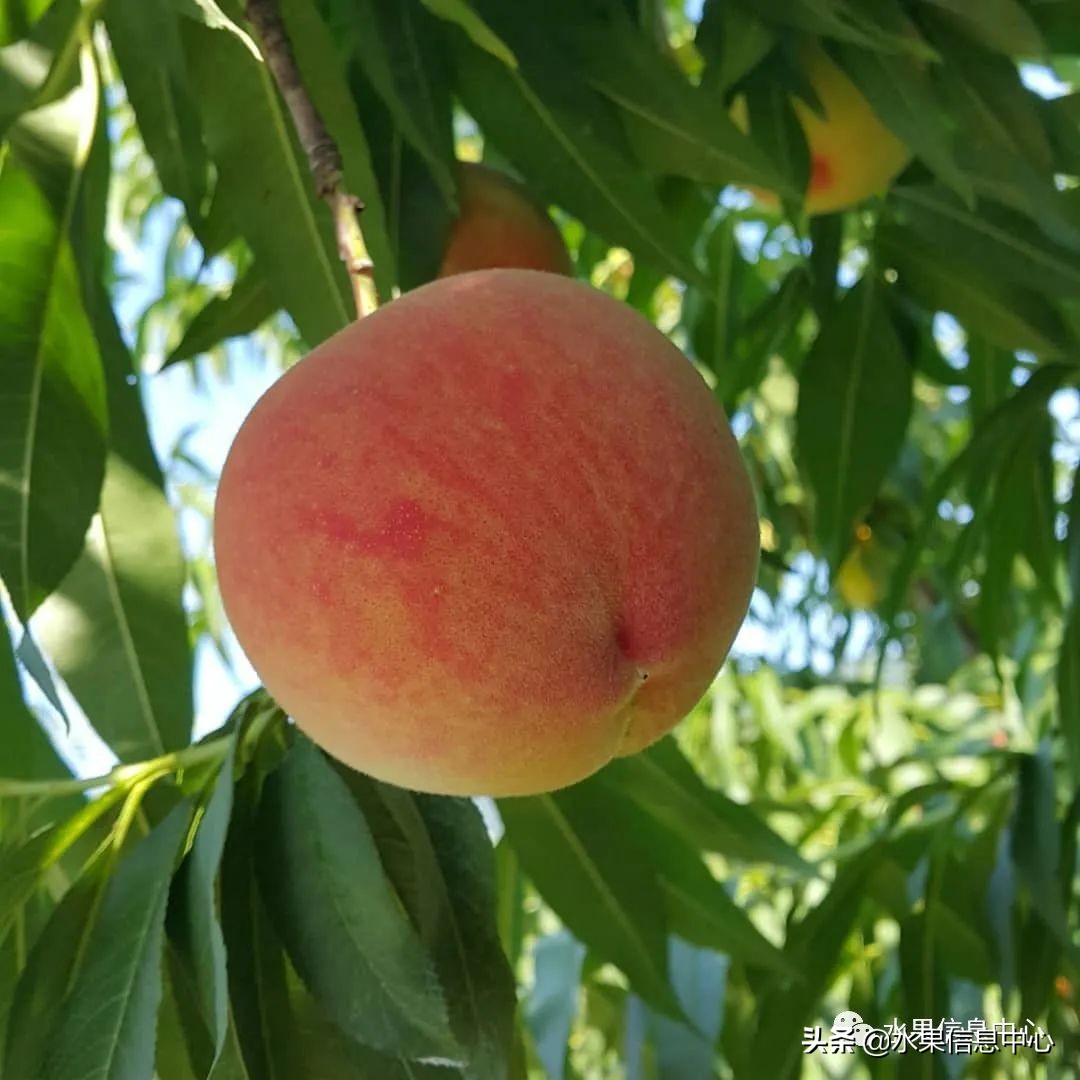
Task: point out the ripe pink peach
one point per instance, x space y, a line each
489 537
500 225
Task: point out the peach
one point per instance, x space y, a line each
853 155
488 537
500 225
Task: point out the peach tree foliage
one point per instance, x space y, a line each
876 806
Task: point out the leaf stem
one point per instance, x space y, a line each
323 155
122 774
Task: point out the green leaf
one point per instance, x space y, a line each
597 880
558 151
42 66
52 413
983 453
158 91
1000 242
240 311
674 128
813 950
322 66
107 1025
50 967
840 19
901 93
419 213
28 754
665 784
1035 838
195 900
1002 25
698 907
1068 674
476 980
397 50
854 404
551 1005
270 194
37 667
262 1043
732 41
437 853
343 925
462 13
1009 315
116 629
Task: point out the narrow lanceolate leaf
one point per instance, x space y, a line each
197 929
1003 25
1036 841
854 403
159 93
456 858
271 199
901 93
597 880
108 1024
262 1038
345 929
813 949
396 49
323 66
52 411
462 13
116 628
999 241
559 151
39 998
1005 314
247 305
1069 659
698 907
671 124
665 783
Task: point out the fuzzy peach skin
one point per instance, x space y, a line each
853 155
488 537
499 224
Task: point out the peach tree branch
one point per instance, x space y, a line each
323 155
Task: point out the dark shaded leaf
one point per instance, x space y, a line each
160 96
854 403
1008 315
196 913
559 153
343 925
999 241
395 46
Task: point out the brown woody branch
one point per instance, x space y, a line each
323 155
